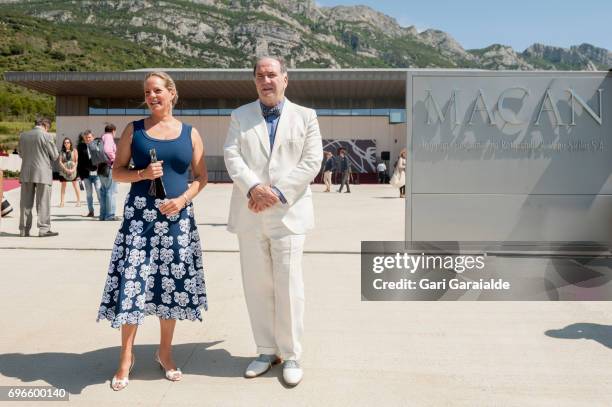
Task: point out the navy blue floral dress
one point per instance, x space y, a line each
156 263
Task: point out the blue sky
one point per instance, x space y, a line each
518 23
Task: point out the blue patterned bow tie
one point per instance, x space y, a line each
270 112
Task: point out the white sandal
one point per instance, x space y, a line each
120 384
174 375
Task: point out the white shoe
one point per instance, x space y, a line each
120 384
292 372
174 375
261 365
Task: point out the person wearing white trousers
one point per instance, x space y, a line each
273 151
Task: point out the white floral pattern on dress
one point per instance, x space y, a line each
140 202
128 212
178 270
136 227
149 215
161 228
167 241
155 267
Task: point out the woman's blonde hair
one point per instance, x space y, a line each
168 83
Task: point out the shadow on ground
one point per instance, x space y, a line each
76 371
584 330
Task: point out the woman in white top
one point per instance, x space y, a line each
398 180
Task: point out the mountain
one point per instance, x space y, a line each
581 57
228 33
120 34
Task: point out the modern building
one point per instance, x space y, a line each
518 157
363 110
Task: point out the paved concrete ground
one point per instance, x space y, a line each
356 353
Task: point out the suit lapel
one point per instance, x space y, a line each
283 125
260 128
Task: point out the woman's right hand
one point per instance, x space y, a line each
154 170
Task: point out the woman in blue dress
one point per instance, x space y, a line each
156 263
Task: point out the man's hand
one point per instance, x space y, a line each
262 197
254 207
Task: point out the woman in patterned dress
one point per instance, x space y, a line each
156 263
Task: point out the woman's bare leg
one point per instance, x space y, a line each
165 342
128 334
62 194
77 192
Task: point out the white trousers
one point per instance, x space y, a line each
271 262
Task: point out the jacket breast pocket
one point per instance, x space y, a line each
295 142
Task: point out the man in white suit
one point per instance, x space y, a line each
273 151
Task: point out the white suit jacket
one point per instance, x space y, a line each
292 164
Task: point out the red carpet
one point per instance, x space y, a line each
10 184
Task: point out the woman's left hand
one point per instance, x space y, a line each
172 206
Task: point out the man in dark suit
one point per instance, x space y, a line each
343 166
38 151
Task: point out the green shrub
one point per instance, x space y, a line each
10 174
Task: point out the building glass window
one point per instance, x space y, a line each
379 112
360 103
116 107
324 112
136 107
187 107
224 107
210 104
98 106
397 116
322 103
341 112
361 112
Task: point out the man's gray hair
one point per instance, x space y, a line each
43 121
280 60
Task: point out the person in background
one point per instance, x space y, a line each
5 206
382 172
1 194
108 187
68 170
398 180
401 166
38 152
87 171
344 167
328 168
